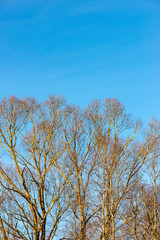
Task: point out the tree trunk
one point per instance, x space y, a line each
83 231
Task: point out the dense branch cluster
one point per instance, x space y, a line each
68 173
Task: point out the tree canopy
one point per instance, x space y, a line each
78 174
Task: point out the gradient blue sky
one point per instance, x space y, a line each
83 50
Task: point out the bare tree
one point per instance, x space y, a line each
77 174
140 208
120 158
76 167
150 192
27 132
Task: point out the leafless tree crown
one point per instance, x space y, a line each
77 174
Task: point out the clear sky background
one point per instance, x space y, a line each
83 50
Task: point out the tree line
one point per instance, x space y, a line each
77 174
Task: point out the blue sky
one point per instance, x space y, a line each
82 50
